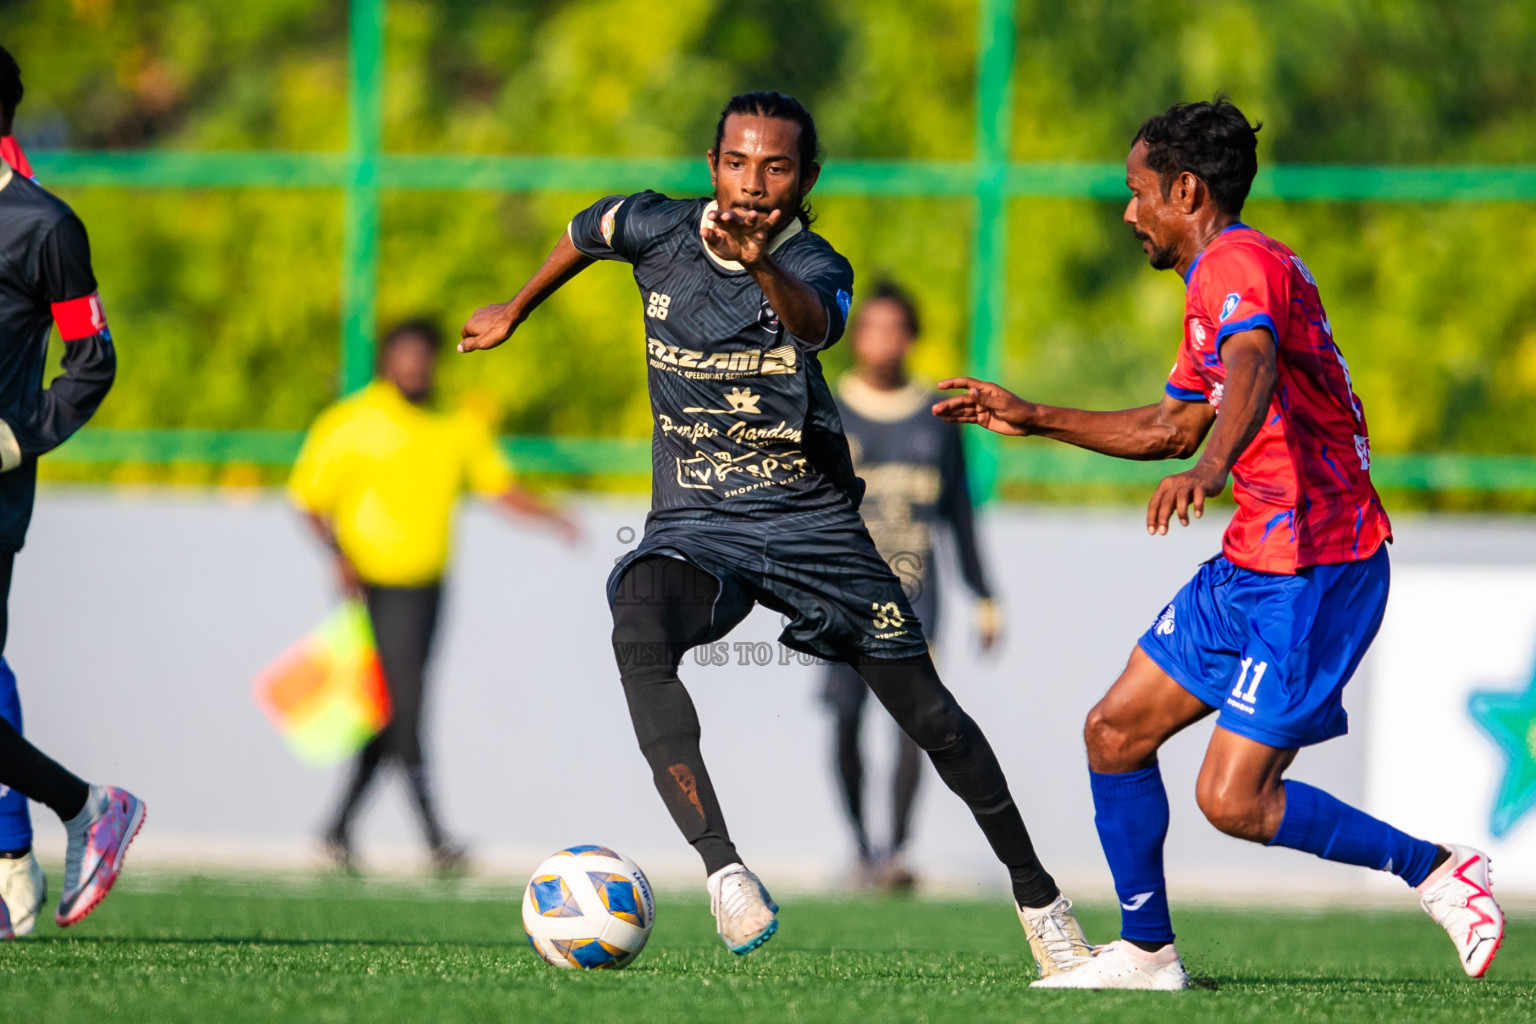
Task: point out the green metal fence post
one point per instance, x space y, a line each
360 238
989 239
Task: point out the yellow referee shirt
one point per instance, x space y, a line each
388 475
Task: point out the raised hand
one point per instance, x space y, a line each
741 235
488 327
986 405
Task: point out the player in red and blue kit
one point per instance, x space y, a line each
1268 632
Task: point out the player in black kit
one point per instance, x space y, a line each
754 498
46 280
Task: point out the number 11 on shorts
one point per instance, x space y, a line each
1242 678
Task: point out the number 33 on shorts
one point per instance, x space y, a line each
887 615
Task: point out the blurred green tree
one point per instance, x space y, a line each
227 301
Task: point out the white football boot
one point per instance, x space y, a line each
1459 896
1122 965
744 912
23 888
98 841
1055 937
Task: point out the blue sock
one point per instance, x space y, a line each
1131 813
1323 825
15 821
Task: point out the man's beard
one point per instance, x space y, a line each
1162 257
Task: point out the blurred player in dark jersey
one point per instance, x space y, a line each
913 468
46 280
1268 632
754 499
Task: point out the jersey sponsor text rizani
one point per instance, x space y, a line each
744 424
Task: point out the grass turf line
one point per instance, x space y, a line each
204 950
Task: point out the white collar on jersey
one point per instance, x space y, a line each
784 235
6 174
872 403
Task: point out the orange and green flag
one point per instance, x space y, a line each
326 693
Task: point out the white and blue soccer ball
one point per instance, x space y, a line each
588 907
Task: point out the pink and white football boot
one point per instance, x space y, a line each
1459 896
98 841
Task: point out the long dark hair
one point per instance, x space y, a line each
772 103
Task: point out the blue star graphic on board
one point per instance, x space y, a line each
1509 719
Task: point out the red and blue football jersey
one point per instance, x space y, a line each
1303 485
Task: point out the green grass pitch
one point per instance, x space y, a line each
201 950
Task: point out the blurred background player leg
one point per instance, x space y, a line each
913 465
23 887
845 694
404 625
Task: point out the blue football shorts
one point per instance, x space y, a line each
1272 652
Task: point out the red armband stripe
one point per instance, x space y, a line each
80 318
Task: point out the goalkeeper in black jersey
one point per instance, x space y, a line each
754 498
46 281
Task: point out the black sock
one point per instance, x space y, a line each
29 771
662 607
1144 945
1441 856
667 727
911 690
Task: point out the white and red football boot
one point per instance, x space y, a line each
1459 896
98 842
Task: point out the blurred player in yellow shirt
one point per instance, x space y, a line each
379 478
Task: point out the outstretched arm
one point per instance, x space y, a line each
527 505
492 325
1169 430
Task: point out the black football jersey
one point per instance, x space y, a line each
744 423
45 279
913 464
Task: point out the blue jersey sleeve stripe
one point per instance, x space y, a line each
1247 324
1183 394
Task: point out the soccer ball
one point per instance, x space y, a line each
588 907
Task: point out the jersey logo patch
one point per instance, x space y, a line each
740 400
1231 304
605 226
767 319
658 305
